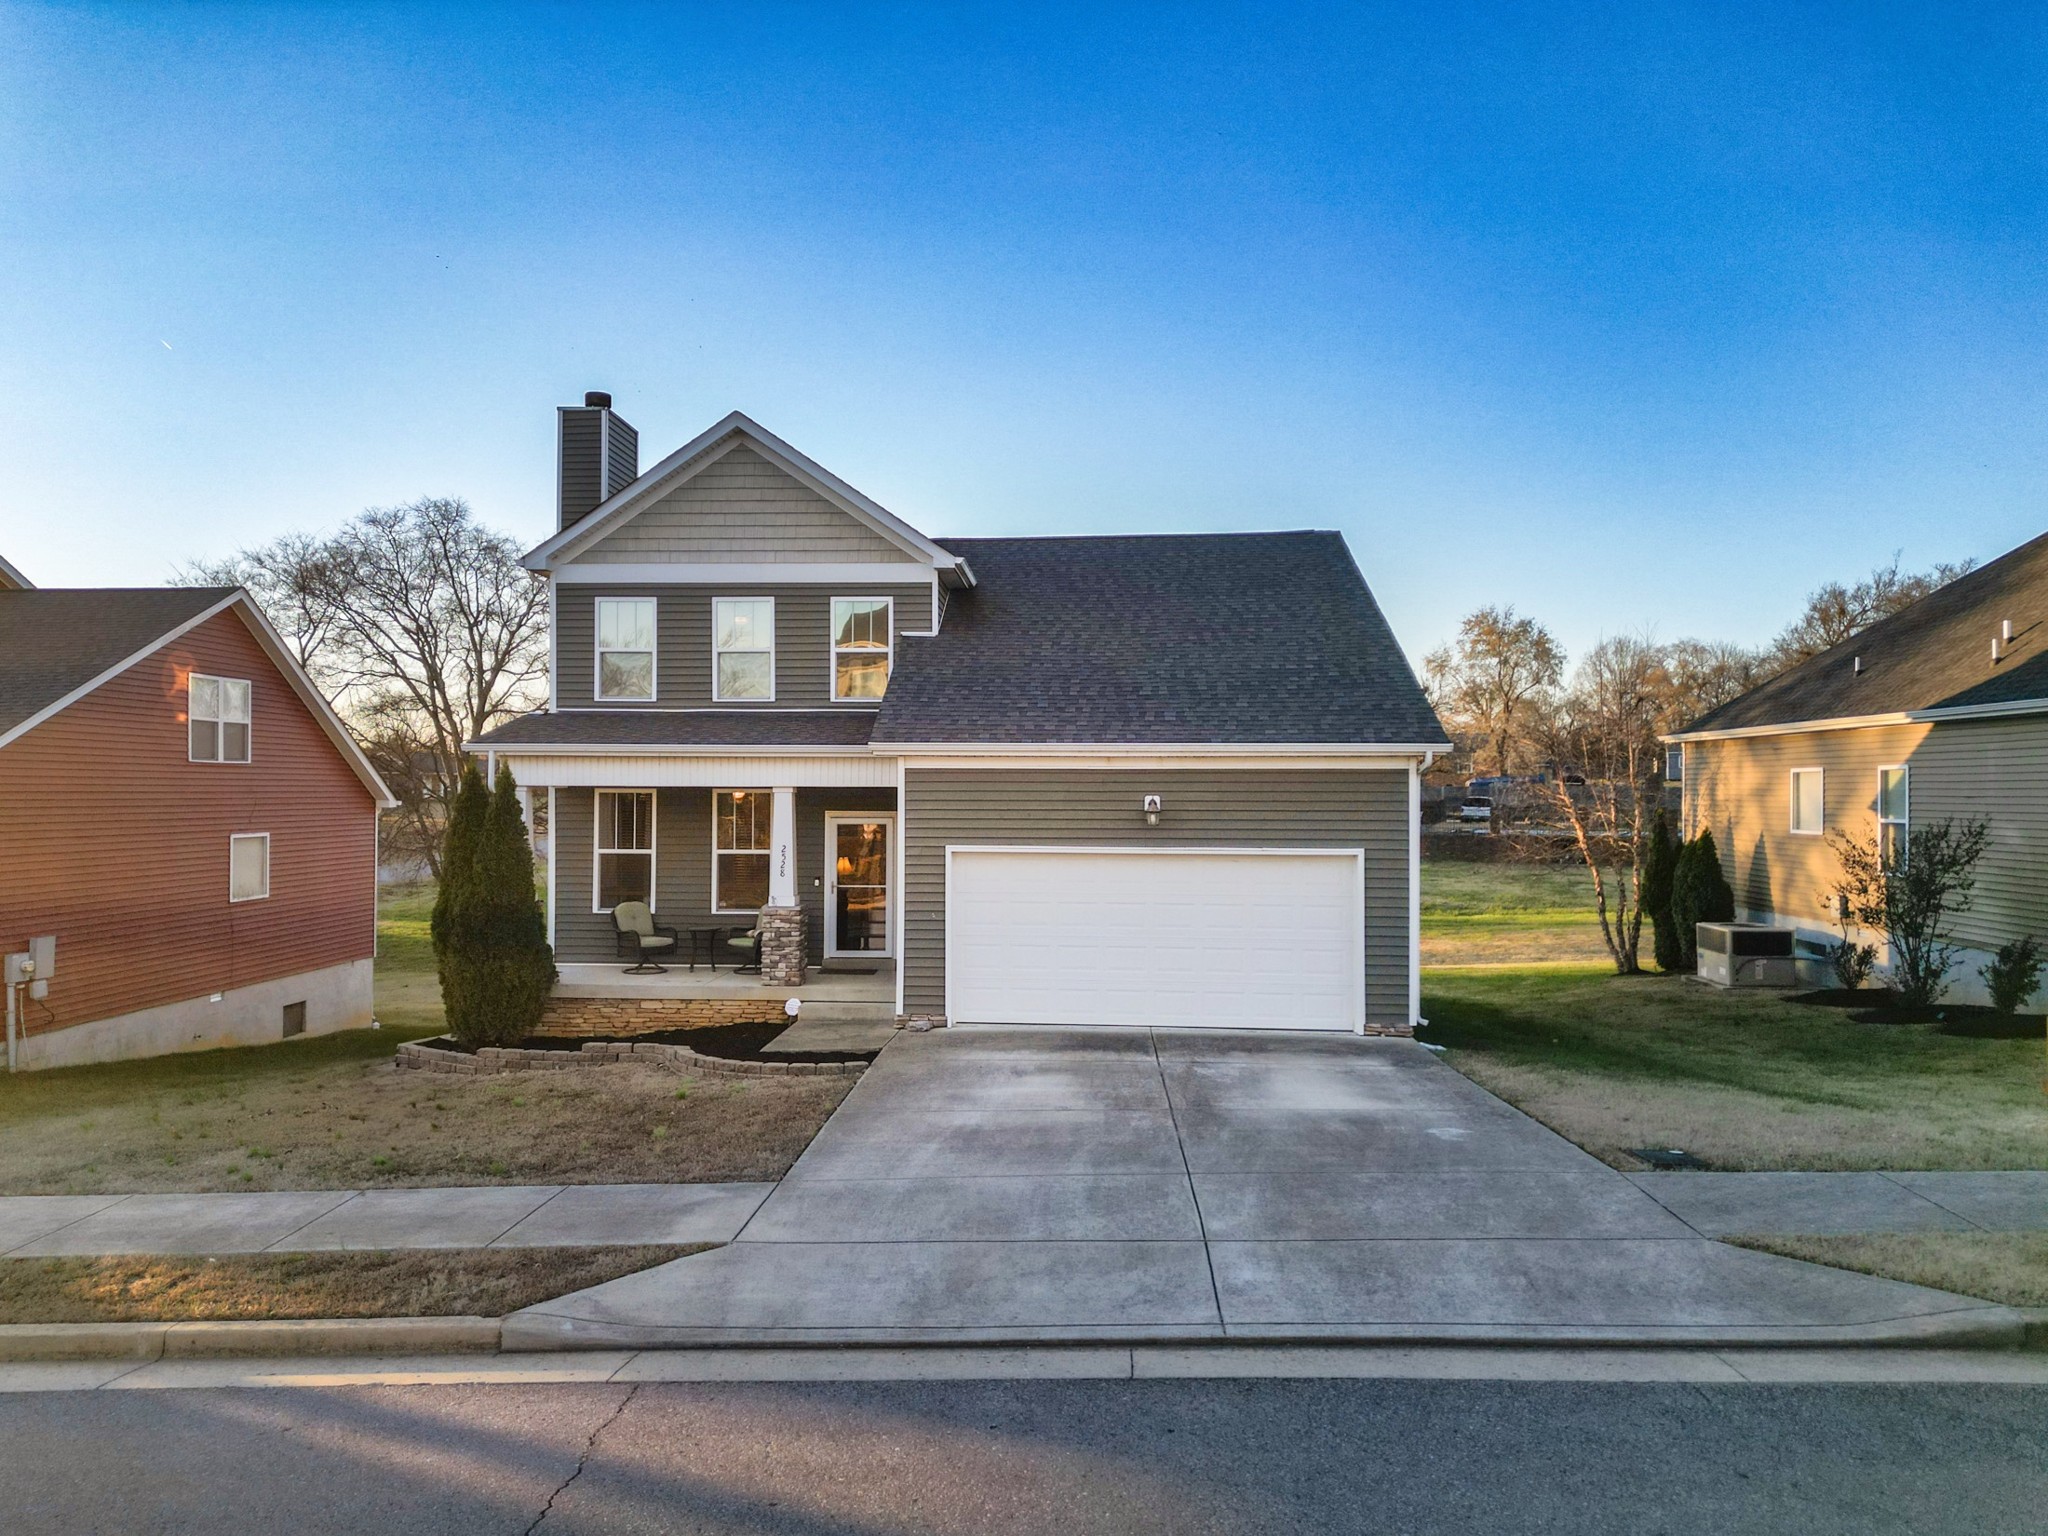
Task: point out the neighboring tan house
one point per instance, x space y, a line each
1940 711
1162 780
181 810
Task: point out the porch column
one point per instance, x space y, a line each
783 938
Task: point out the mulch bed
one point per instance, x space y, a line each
1875 1005
728 1042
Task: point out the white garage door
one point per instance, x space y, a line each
1201 939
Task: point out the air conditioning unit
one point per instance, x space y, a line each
1746 955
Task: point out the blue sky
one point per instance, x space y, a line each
1635 317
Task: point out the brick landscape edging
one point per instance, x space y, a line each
425 1057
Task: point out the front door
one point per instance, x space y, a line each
857 854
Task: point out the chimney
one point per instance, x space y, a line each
597 455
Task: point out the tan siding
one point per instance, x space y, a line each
1246 808
1994 769
118 845
741 508
682 864
803 637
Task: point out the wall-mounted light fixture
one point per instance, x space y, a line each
1153 806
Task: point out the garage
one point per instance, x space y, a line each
1196 938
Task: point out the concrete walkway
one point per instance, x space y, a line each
1827 1204
497 1216
1021 1185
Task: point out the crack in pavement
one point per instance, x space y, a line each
582 1461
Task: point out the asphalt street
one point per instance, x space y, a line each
1025 1456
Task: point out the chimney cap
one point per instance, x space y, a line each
597 399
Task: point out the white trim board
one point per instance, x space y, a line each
1934 716
752 574
669 770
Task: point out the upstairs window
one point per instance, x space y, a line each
860 647
1807 810
1893 812
625 847
743 638
625 649
218 712
742 823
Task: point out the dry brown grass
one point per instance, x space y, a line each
471 1282
2008 1267
278 1117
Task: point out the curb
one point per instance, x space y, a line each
185 1341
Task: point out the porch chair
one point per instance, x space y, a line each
748 943
639 940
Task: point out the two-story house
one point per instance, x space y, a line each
1166 780
185 817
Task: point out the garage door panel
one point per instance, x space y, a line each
1209 939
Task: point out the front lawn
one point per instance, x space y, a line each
1507 914
1738 1079
457 1282
333 1112
2008 1267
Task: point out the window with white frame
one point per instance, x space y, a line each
217 710
741 826
1674 765
860 647
625 848
1894 799
249 866
1807 812
743 642
625 649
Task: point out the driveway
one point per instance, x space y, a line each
1035 1184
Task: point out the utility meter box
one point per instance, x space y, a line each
1746 955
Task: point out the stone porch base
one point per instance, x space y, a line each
591 1016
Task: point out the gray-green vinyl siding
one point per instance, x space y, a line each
803 638
1231 808
742 508
1996 771
580 467
682 865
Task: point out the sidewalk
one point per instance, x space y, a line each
1843 1204
494 1216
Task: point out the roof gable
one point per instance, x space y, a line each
11 580
696 457
1934 655
738 507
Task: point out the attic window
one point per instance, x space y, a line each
218 719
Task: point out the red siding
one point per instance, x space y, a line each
114 842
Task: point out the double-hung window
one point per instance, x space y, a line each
217 709
741 826
625 847
625 649
860 647
1893 813
743 639
249 866
1808 814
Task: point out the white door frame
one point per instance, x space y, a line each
889 916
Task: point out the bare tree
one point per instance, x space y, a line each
1836 612
1701 675
1485 681
1605 782
422 626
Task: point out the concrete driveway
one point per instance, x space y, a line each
1049 1184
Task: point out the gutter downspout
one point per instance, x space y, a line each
1415 772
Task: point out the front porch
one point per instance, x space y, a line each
867 990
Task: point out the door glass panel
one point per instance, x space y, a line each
860 918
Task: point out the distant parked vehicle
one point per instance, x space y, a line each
1476 808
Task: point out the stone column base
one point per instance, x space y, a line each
784 933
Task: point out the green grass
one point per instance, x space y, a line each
2008 1267
1507 914
408 990
1740 1079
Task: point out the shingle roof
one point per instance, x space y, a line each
1933 655
1255 638
53 641
684 729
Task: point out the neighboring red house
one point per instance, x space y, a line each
182 810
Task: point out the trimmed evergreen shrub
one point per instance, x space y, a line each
1700 893
2013 975
496 967
1660 865
461 841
